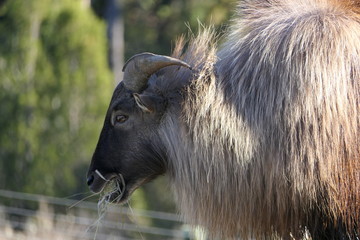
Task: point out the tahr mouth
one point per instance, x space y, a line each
114 189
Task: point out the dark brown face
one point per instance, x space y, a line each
129 143
129 152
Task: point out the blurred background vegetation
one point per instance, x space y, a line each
57 76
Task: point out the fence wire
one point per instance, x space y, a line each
33 216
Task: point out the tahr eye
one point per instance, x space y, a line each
120 118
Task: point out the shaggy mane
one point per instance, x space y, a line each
269 124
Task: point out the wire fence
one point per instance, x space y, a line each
31 216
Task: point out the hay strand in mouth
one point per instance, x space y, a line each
115 185
112 186
101 176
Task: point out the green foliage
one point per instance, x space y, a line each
154 25
54 90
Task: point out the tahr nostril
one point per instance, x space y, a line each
90 179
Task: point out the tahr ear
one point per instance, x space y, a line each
147 103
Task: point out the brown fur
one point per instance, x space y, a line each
267 142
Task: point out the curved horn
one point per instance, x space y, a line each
141 66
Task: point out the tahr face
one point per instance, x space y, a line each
129 144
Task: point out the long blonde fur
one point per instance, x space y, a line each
266 140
